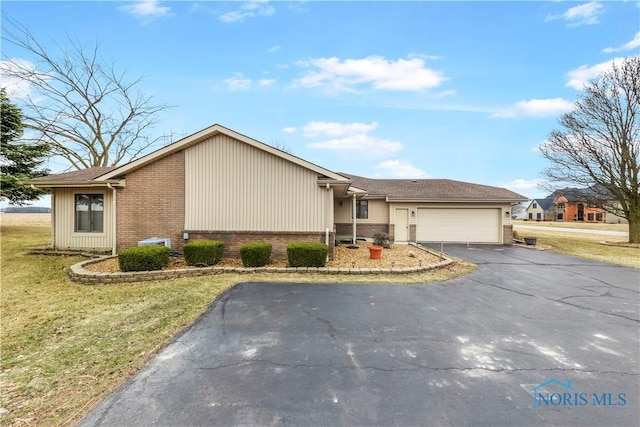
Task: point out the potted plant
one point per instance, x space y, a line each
531 240
380 240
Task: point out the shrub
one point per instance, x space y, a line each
381 239
144 258
203 252
255 254
307 254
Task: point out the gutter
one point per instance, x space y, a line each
65 184
389 199
114 222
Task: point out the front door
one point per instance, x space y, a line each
580 212
401 230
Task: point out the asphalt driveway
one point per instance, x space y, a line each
530 338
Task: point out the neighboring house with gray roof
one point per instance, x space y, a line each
541 209
219 184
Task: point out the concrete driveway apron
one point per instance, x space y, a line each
530 338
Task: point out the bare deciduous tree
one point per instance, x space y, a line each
599 143
78 104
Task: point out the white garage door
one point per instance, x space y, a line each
458 225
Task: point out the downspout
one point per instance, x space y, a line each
328 213
353 218
113 220
53 217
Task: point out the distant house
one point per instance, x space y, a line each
219 184
576 204
612 218
540 210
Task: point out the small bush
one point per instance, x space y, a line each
255 254
516 236
203 252
144 258
381 239
307 254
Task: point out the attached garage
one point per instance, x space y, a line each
460 225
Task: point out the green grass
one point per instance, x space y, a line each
580 225
65 346
586 245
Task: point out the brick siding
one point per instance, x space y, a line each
152 203
279 240
507 234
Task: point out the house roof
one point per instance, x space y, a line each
579 194
432 190
210 132
104 175
74 177
545 204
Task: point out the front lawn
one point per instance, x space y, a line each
66 346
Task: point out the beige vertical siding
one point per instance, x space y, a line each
378 212
64 227
230 185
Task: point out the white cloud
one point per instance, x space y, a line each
630 45
350 137
584 14
15 87
266 82
537 108
273 49
526 187
312 129
238 82
336 75
146 9
580 76
400 169
364 144
289 129
248 10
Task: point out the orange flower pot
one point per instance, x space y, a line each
375 252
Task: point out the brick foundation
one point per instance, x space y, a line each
279 240
362 230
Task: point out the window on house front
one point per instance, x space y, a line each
599 217
535 206
560 205
589 217
560 217
89 213
362 209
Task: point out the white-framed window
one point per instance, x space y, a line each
89 213
362 209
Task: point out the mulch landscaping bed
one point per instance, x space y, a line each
397 256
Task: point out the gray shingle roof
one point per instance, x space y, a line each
546 203
431 189
74 176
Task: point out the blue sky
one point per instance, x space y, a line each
458 90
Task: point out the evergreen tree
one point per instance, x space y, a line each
18 162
